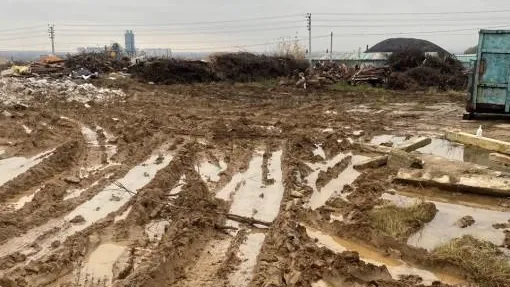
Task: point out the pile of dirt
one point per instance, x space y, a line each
95 62
413 69
173 71
240 67
247 67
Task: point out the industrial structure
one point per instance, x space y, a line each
130 43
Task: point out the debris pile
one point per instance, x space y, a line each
95 62
173 71
19 90
373 76
241 67
247 67
48 65
415 70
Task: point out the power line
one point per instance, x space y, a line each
417 13
395 25
21 29
93 33
187 23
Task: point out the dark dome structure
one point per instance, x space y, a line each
394 45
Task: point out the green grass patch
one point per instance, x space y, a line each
402 222
483 261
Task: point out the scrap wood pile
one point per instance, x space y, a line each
95 62
48 65
240 67
415 70
373 76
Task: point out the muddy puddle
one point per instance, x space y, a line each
248 252
211 172
251 195
396 267
336 185
443 228
11 167
97 269
446 149
109 200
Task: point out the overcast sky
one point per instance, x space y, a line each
179 25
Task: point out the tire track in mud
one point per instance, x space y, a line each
72 235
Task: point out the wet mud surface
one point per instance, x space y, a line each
227 185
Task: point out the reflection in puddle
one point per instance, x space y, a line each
124 215
109 200
211 172
396 140
25 199
396 267
99 266
251 196
11 167
336 185
319 151
446 149
248 253
443 228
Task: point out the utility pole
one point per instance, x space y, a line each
51 32
309 26
331 48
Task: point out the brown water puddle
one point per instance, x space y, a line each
371 255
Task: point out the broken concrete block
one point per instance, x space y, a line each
457 176
481 142
401 159
414 143
372 163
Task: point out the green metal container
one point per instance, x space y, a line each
489 84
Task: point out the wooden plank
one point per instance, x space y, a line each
456 176
372 163
414 144
481 142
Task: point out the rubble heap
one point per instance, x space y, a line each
415 70
95 62
26 90
239 67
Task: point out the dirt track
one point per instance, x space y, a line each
186 156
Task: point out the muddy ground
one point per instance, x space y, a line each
227 185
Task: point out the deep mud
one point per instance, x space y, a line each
219 185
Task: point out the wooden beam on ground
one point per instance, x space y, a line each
456 176
372 163
481 142
414 144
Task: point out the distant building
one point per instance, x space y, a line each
468 61
130 43
352 59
